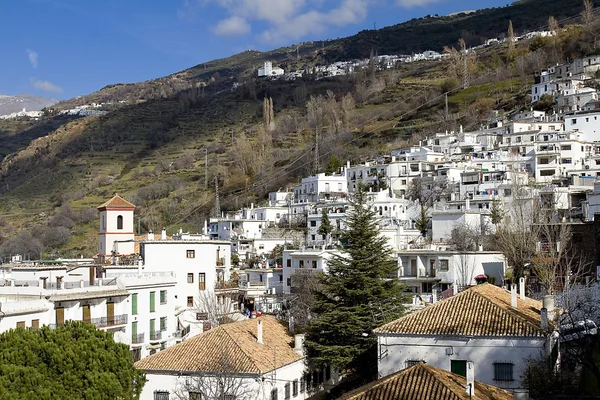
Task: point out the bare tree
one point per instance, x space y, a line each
464 270
425 192
468 237
214 308
300 301
220 383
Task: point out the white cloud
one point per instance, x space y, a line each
232 26
286 19
33 58
45 86
415 3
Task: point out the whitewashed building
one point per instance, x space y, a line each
486 325
256 358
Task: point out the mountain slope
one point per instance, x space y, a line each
12 104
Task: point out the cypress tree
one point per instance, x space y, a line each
359 293
325 228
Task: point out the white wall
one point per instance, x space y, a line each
396 350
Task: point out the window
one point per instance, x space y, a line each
163 297
195 396
443 265
161 395
301 263
190 301
152 301
201 281
507 192
411 362
566 161
295 388
163 324
274 394
288 391
289 262
314 264
574 121
313 223
543 161
134 304
503 371
120 222
302 384
458 367
565 147
190 254
190 278
547 172
35 324
289 282
21 324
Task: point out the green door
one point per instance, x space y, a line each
152 330
458 367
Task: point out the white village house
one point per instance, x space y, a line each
254 359
495 329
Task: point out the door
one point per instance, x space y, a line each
413 267
458 367
432 268
110 313
92 275
60 316
87 317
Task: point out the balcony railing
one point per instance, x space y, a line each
139 338
106 321
182 332
156 335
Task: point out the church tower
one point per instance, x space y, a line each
116 224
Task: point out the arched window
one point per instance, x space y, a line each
120 222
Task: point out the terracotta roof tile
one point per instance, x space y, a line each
116 202
483 310
230 347
424 382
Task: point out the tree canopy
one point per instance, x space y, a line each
359 293
75 361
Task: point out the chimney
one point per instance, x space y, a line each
150 235
522 288
548 304
544 319
470 387
513 295
259 333
163 234
299 344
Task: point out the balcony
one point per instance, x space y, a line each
180 333
137 339
155 336
104 322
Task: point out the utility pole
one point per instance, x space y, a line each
446 107
217 201
316 165
206 168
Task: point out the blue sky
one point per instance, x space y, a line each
65 48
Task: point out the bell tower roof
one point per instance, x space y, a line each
116 203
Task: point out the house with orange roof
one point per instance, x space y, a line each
424 382
496 329
251 359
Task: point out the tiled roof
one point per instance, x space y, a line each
230 347
424 382
116 202
483 310
85 295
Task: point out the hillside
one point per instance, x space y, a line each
416 35
153 151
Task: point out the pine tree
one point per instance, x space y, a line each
325 228
422 223
359 293
496 212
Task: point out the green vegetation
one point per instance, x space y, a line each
76 361
152 148
359 293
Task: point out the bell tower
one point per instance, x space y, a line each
116 225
